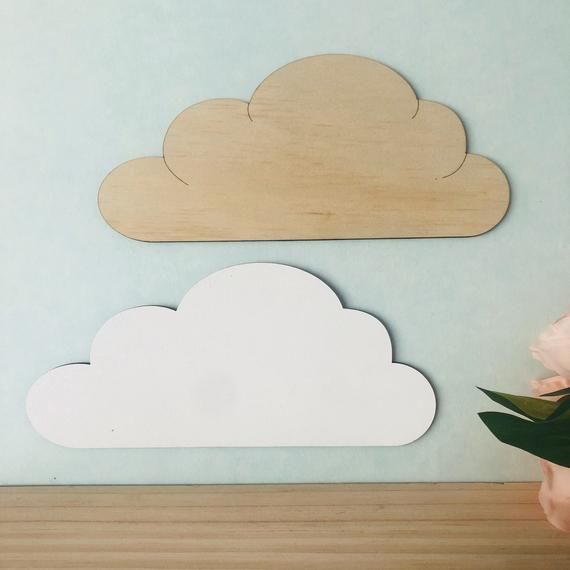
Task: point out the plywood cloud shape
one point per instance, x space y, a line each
329 147
259 354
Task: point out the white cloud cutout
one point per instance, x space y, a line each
258 354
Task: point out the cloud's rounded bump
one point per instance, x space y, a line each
328 147
255 355
324 89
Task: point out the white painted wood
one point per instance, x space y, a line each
258 354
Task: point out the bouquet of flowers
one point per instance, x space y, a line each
544 428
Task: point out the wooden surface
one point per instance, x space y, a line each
346 527
329 147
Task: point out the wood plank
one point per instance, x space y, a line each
311 527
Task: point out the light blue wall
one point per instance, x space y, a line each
87 85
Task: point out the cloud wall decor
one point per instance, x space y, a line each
329 147
258 354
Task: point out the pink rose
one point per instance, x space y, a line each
554 493
553 347
549 385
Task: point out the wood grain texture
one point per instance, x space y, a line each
329 147
473 526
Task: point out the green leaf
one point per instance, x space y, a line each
547 439
562 409
563 392
533 408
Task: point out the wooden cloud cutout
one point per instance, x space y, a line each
329 147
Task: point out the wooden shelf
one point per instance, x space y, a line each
346 527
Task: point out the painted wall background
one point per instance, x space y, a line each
87 85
